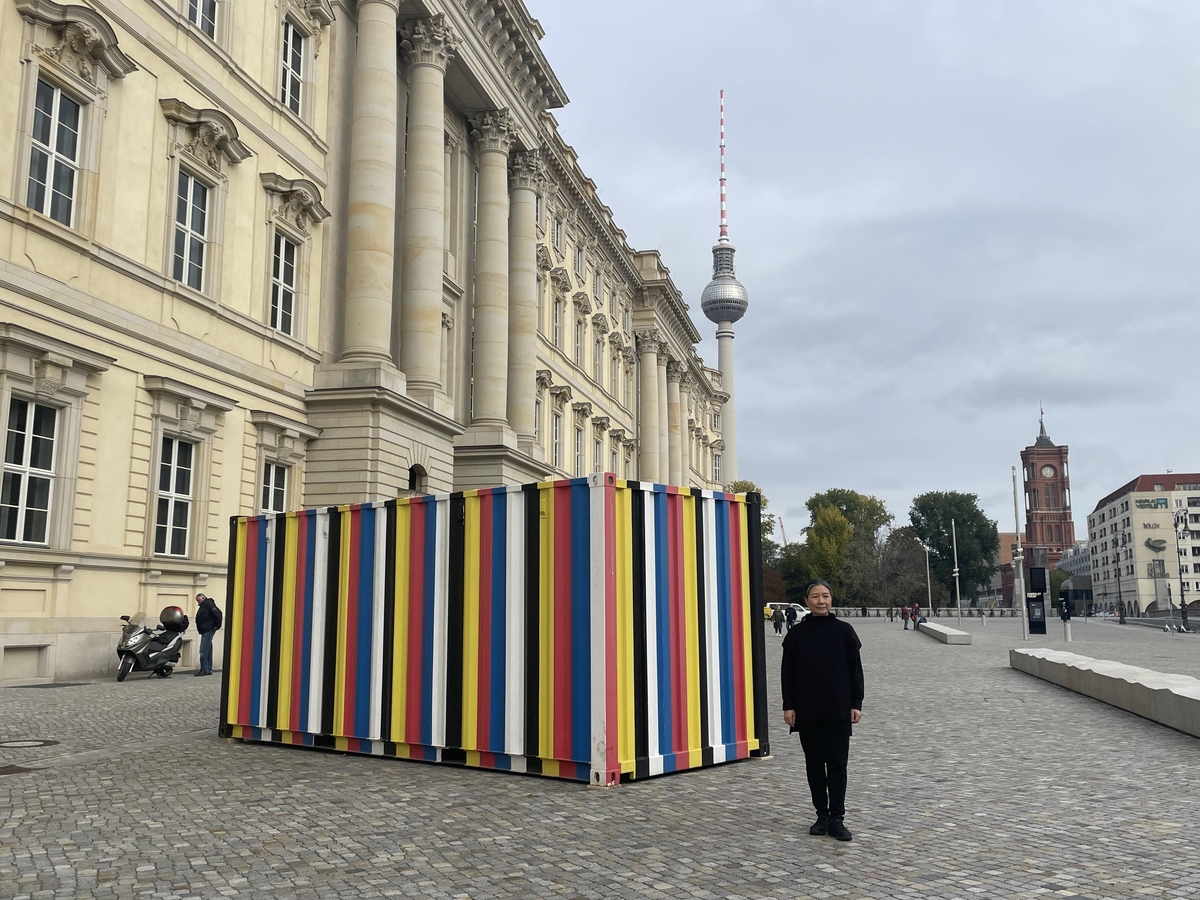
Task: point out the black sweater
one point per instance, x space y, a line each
822 672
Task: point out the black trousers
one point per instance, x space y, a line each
826 746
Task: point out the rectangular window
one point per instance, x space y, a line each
537 210
203 14
612 460
716 421
537 421
293 66
628 464
578 342
541 307
274 493
191 230
556 440
625 319
628 387
579 260
28 472
614 368
597 454
557 329
283 284
598 361
558 233
597 286
174 497
716 467
578 451
54 156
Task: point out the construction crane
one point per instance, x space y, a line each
779 519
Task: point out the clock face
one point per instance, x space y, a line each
1047 471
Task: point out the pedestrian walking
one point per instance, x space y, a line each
864 610
822 679
891 613
916 615
904 613
208 620
777 620
791 616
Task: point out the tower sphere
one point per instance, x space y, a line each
724 299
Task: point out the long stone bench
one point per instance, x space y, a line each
1172 700
944 634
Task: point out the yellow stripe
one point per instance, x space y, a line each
626 720
550 768
473 759
400 647
339 683
748 623
546 632
287 631
470 674
341 743
692 613
238 594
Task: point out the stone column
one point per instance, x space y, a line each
685 434
664 438
648 342
492 132
527 172
371 218
429 44
728 422
674 425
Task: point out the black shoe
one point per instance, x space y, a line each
821 826
198 674
837 829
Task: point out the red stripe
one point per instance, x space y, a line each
302 525
612 762
739 616
679 697
562 621
250 637
416 623
351 663
483 701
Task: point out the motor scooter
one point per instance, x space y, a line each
154 650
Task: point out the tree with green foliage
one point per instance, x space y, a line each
823 552
745 486
884 569
1057 577
863 511
978 540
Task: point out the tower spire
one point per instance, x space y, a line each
724 233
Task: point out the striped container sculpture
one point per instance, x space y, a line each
587 629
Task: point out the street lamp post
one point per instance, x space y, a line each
1120 598
1181 523
957 591
928 583
1019 563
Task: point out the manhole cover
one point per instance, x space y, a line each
24 745
15 770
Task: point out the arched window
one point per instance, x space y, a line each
418 480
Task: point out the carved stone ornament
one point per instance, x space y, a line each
674 370
429 42
614 340
629 355
583 303
648 340
560 394
50 374
526 170
85 39
214 136
493 130
600 423
600 323
544 380
560 279
543 258
717 446
299 200
447 320
314 15
189 415
583 410
616 435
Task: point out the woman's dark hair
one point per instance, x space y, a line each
816 582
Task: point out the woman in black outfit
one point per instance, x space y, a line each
822 698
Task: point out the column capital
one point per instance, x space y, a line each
493 130
649 340
526 169
429 42
674 371
664 352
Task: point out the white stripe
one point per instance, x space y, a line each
264 649
381 520
598 625
440 612
651 633
316 650
712 621
514 623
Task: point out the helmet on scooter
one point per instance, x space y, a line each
173 619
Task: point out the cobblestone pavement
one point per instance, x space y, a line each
967 780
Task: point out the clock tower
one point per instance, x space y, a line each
1049 528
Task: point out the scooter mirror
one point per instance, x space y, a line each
124 618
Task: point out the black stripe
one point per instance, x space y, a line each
641 712
332 573
758 650
389 622
231 578
454 755
281 526
454 621
702 626
533 514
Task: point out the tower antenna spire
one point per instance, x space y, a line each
724 234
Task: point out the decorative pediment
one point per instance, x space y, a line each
582 409
600 423
85 39
560 394
188 408
544 262
544 379
616 435
283 438
600 323
214 136
560 279
614 340
583 303
717 446
295 200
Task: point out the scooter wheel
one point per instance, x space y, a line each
125 668
163 673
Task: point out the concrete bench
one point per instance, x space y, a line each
1172 700
944 634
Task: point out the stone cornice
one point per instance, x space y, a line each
47 348
560 394
299 199
181 391
512 35
493 130
429 42
560 279
85 34
215 132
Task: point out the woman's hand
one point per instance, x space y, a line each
789 718
855 716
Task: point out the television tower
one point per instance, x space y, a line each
724 302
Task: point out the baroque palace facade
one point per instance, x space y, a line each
263 254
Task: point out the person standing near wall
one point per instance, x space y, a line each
208 620
904 614
823 687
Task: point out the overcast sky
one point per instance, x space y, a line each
945 211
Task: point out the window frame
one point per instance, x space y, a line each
216 20
579 461
598 361
278 286
290 77
174 497
271 491
597 453
188 172
27 472
54 158
556 423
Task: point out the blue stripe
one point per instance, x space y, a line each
430 538
499 593
662 591
581 604
310 569
366 614
725 616
260 612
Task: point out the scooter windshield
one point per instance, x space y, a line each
136 621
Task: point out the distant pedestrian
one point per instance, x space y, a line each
891 613
791 616
208 620
864 610
823 687
916 615
777 620
904 615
